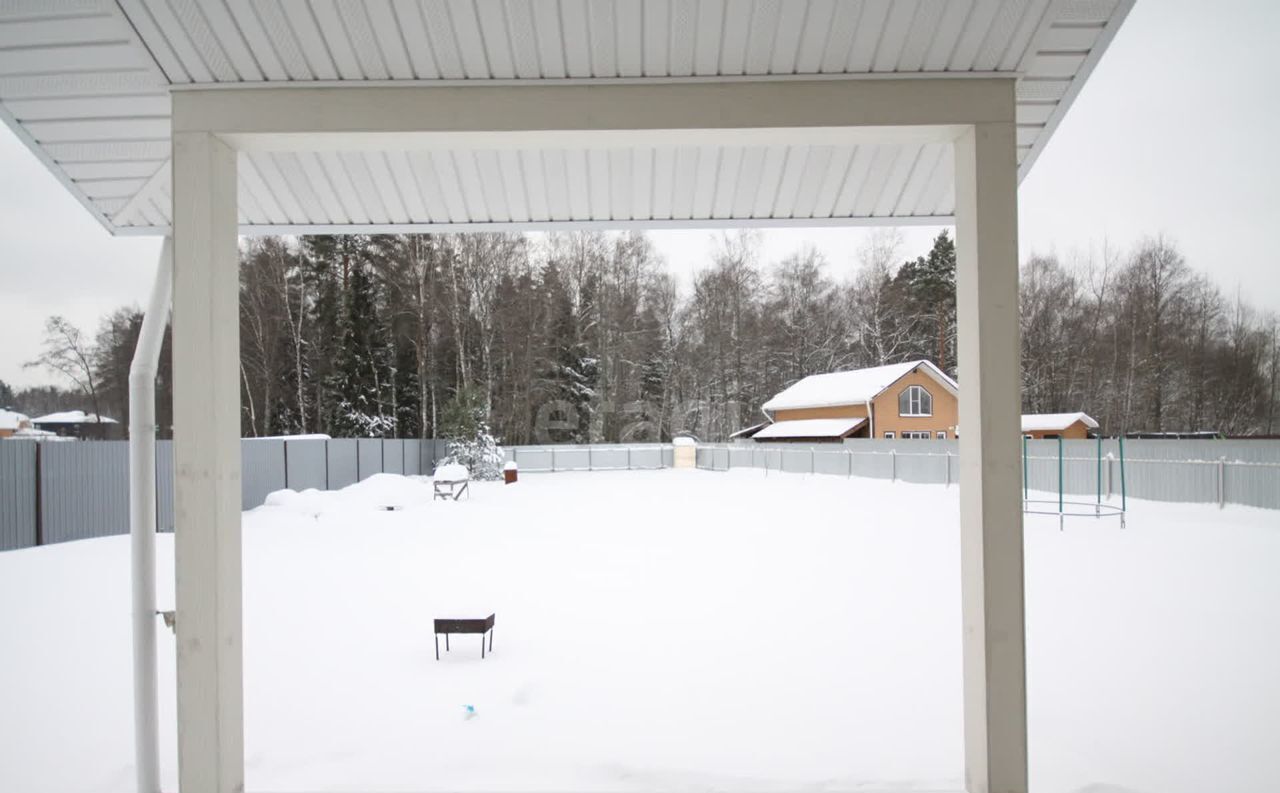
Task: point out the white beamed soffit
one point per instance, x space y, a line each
86 85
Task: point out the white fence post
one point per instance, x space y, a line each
946 461
893 465
553 459
813 460
1222 476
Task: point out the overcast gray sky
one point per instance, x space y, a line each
1176 132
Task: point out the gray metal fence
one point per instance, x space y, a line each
1205 471
597 457
54 492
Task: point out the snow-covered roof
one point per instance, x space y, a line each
747 432
73 417
1040 422
853 387
11 419
684 440
452 472
809 428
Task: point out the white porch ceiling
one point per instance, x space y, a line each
85 84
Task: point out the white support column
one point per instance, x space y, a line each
995 717
206 417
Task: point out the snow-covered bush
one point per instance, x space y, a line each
466 432
481 455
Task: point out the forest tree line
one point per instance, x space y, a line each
587 336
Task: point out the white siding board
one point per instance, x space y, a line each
947 36
310 40
657 38
471 47
664 165
497 39
63 59
771 170
343 187
373 49
556 174
730 173
684 24
704 181
553 51
708 29
840 36
492 189
406 186
390 188
257 40
686 164
744 192
815 170
298 185
598 187
524 40
629 23
45 32
792 176
579 184
899 21
112 169
433 191
818 17
409 21
868 35
762 35
975 30
922 172
336 40
735 29
601 38
196 27
226 38
464 164
620 181
104 129
642 183
322 187
921 35
89 107
832 180
283 39
534 178
890 193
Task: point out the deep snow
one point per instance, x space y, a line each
671 630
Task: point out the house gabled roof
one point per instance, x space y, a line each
12 420
853 387
1044 422
747 432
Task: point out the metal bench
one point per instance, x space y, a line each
448 626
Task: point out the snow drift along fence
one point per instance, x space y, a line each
54 492
1205 471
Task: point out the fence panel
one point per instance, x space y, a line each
306 464
84 490
412 457
17 494
261 470
1252 484
164 485
392 456
343 462
369 457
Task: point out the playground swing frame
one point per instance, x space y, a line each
1074 509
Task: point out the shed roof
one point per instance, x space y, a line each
853 387
809 428
86 85
73 417
1042 422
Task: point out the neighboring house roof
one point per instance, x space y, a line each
810 428
853 387
73 417
36 435
1043 422
747 432
12 420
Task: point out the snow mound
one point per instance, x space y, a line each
378 492
452 472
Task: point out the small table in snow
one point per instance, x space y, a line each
448 626
450 482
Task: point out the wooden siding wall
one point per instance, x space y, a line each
946 409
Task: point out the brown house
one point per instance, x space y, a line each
906 400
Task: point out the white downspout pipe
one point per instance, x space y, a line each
142 521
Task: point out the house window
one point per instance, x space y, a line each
922 435
888 436
942 435
915 401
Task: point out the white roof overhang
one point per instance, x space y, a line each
89 86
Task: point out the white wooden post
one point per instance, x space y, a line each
206 452
1222 482
991 556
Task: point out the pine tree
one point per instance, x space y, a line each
363 378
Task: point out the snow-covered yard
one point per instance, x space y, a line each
669 630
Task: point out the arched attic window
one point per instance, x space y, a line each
915 401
